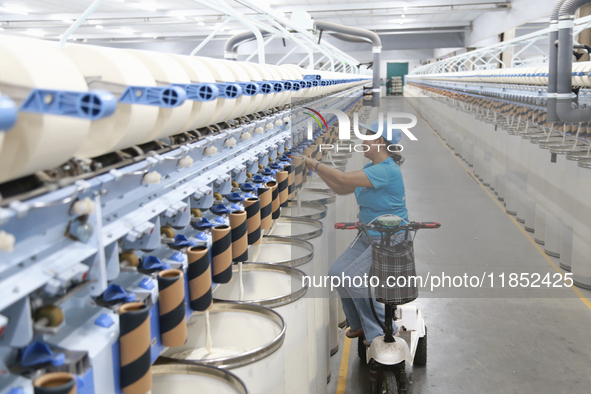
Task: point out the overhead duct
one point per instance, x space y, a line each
231 49
376 49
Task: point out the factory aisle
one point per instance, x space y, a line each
486 345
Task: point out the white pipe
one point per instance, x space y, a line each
80 21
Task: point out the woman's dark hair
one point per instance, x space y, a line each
394 154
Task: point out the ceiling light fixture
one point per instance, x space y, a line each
126 30
14 9
148 5
201 23
68 21
100 27
403 16
182 17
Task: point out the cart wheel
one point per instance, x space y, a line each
168 232
388 383
362 350
130 257
52 313
421 353
196 212
217 196
235 184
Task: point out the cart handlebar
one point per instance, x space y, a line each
406 226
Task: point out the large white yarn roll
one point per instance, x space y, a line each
240 75
115 69
256 73
38 141
203 112
165 72
269 74
255 102
222 73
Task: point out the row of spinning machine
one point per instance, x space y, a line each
130 184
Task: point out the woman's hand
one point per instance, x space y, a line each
310 163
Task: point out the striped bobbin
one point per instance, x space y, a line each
276 210
282 187
172 307
221 251
290 180
134 348
252 206
199 277
239 236
55 383
266 198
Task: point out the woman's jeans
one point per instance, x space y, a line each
356 262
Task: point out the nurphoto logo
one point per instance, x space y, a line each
344 126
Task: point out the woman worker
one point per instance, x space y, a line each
379 190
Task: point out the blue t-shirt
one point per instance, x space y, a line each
387 195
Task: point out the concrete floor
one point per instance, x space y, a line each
502 341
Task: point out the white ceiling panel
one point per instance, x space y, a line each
177 18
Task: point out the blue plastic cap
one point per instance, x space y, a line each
284 158
249 195
229 90
39 353
220 220
234 197
269 179
200 91
177 256
147 283
287 85
236 207
220 209
8 113
245 187
203 224
201 236
267 171
265 87
258 179
249 88
117 293
154 263
182 241
165 97
275 166
278 86
90 105
16 390
104 321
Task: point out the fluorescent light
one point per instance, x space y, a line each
201 23
403 16
92 22
14 9
405 8
35 32
182 17
100 27
126 30
68 21
148 5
